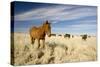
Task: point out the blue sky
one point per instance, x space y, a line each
74 19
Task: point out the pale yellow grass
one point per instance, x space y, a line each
57 50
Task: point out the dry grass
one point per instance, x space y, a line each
57 50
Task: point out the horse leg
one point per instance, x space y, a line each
38 43
32 40
42 44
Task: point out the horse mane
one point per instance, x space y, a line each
40 27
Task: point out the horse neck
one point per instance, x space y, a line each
42 29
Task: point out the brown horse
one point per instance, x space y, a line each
39 33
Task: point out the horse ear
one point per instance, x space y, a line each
47 22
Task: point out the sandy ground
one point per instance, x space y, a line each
57 50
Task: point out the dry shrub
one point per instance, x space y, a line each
57 50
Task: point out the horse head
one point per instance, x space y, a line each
47 28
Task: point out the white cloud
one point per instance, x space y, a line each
83 26
77 28
40 13
56 13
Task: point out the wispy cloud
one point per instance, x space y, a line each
40 13
77 27
80 29
56 13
